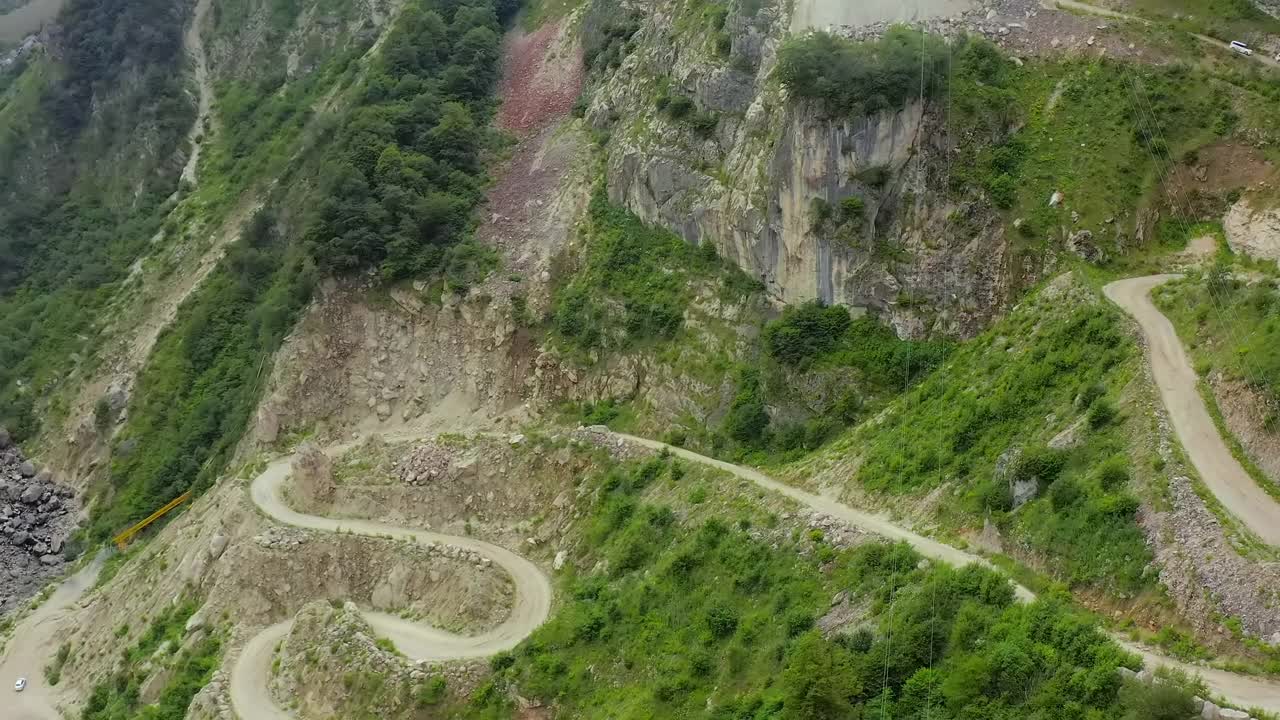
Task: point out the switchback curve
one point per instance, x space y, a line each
418 641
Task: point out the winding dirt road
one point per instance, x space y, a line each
1241 690
34 640
1087 9
531 607
1179 389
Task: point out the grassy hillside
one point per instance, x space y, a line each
1227 316
1057 367
695 613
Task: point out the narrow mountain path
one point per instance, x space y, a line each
1178 382
1087 9
1239 689
418 641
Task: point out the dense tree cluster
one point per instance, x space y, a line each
861 78
408 167
106 40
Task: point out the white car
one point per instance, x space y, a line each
20 685
1241 48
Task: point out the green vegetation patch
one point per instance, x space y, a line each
981 422
1095 130
811 335
1229 324
204 377
407 168
636 283
871 363
193 663
691 617
861 78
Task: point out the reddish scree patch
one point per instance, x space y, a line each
537 89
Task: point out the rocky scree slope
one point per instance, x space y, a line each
37 516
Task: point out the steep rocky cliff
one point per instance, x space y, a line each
753 175
1252 227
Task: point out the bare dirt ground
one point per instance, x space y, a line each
1246 413
820 14
541 80
1220 167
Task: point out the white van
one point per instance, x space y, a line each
1241 48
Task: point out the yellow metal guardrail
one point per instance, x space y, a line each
123 538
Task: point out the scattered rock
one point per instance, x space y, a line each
1081 243
559 562
1055 199
36 517
1071 437
196 622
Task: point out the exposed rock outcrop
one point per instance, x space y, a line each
313 476
37 515
1253 230
755 187
330 641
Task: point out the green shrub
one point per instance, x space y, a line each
1155 701
432 691
1101 413
1113 474
635 284
680 107
1041 463
805 331
747 420
852 209
863 78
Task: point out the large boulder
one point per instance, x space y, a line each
313 475
32 494
27 469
